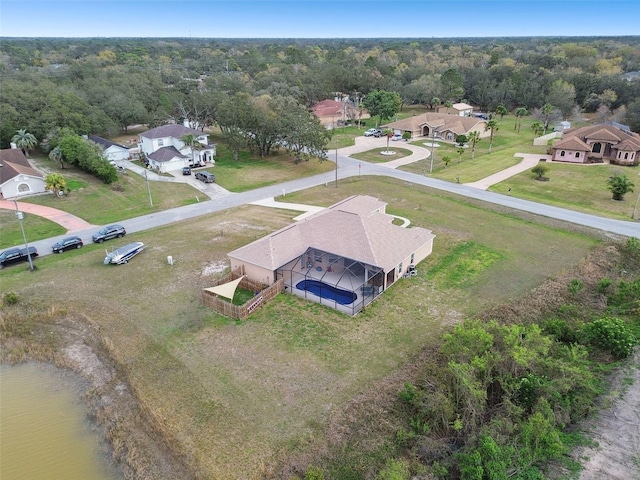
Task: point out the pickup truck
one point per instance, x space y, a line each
15 255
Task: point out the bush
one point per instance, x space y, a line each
610 335
10 298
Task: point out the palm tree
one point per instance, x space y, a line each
474 138
502 111
56 183
520 112
435 101
56 156
24 140
492 126
618 185
537 128
387 133
191 141
547 110
460 151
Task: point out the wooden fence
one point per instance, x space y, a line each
264 294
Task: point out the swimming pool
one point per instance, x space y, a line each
323 290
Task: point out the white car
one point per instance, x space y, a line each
396 136
373 132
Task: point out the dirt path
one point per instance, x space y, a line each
615 431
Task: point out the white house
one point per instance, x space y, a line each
17 177
165 151
459 109
114 152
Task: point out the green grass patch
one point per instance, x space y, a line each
578 187
464 264
375 155
242 296
249 171
35 228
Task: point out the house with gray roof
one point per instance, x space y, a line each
604 142
166 152
113 152
441 126
17 177
343 256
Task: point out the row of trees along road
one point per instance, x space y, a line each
101 86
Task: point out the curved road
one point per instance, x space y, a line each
348 167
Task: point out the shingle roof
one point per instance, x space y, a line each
14 163
349 229
439 121
171 130
604 132
104 142
166 154
328 108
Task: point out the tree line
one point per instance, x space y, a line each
101 86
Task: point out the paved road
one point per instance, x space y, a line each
348 167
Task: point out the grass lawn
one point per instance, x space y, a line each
375 155
35 228
97 203
578 187
236 396
250 171
506 142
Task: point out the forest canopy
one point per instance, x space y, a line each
101 86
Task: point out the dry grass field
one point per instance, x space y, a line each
234 398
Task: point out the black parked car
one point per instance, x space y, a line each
15 255
186 170
109 232
67 244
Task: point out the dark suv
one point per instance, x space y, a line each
109 232
15 255
206 177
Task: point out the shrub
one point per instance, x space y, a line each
610 335
603 285
575 286
10 298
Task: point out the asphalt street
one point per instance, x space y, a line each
348 167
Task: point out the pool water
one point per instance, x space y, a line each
323 290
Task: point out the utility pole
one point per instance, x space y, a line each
433 143
20 216
336 163
148 188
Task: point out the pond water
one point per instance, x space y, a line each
44 429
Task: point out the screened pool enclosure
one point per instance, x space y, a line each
342 283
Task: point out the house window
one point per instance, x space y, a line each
597 148
160 143
412 255
399 269
626 156
24 188
562 153
318 257
577 154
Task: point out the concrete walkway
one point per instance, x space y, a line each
528 162
68 221
299 207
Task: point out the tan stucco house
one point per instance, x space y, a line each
343 256
440 126
598 143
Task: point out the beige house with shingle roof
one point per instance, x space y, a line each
350 250
441 126
598 143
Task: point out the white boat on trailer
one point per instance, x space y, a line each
124 254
